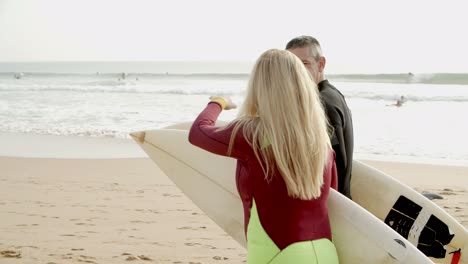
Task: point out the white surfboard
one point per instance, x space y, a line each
359 236
418 219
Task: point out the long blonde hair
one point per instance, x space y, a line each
283 120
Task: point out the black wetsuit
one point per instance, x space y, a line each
339 116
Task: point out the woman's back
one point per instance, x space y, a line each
286 219
285 163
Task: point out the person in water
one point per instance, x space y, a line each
308 50
285 163
399 102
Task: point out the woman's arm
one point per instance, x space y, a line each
205 135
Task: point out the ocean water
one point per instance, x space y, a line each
98 100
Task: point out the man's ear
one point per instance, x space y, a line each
322 63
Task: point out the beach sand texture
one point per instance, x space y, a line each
125 210
102 211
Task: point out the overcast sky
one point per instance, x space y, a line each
357 36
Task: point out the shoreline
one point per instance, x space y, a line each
67 147
83 147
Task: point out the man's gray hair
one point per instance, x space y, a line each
306 41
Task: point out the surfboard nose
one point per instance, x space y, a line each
139 136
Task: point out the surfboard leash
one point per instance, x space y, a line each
456 256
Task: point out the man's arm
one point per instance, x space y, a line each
336 119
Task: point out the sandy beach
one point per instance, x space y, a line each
60 208
102 211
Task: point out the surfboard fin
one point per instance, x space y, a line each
138 136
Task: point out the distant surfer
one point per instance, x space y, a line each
18 75
399 102
285 162
411 78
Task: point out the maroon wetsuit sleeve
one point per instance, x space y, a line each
205 135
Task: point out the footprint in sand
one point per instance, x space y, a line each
80 258
143 257
210 247
191 228
171 195
85 224
142 222
447 193
87 259
191 244
10 254
131 257
220 258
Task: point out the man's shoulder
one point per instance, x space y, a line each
329 93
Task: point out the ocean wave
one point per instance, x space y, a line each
98 133
433 78
123 88
209 89
125 75
415 98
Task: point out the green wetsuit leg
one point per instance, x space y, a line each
262 250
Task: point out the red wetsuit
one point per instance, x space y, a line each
286 220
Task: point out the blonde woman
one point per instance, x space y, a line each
285 165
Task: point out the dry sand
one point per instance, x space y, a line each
126 211
102 211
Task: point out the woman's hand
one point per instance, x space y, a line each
229 104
